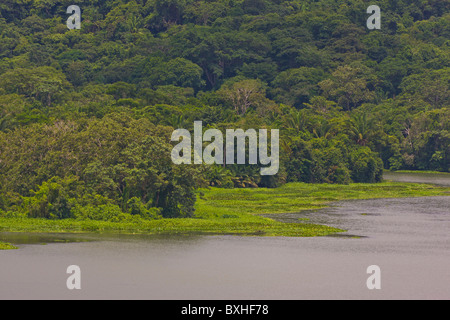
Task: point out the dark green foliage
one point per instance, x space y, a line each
53 199
86 115
365 165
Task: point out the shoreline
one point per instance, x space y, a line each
417 172
239 211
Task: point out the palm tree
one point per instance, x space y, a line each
323 129
361 127
177 121
296 120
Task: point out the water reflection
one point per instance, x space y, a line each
442 179
19 238
30 238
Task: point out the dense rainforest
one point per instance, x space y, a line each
86 114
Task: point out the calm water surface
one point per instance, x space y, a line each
408 239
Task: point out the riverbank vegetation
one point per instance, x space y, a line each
86 115
232 211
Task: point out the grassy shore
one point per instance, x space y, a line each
294 197
237 211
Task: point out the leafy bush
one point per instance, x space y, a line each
105 212
365 165
137 208
54 199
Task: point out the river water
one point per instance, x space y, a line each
408 239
